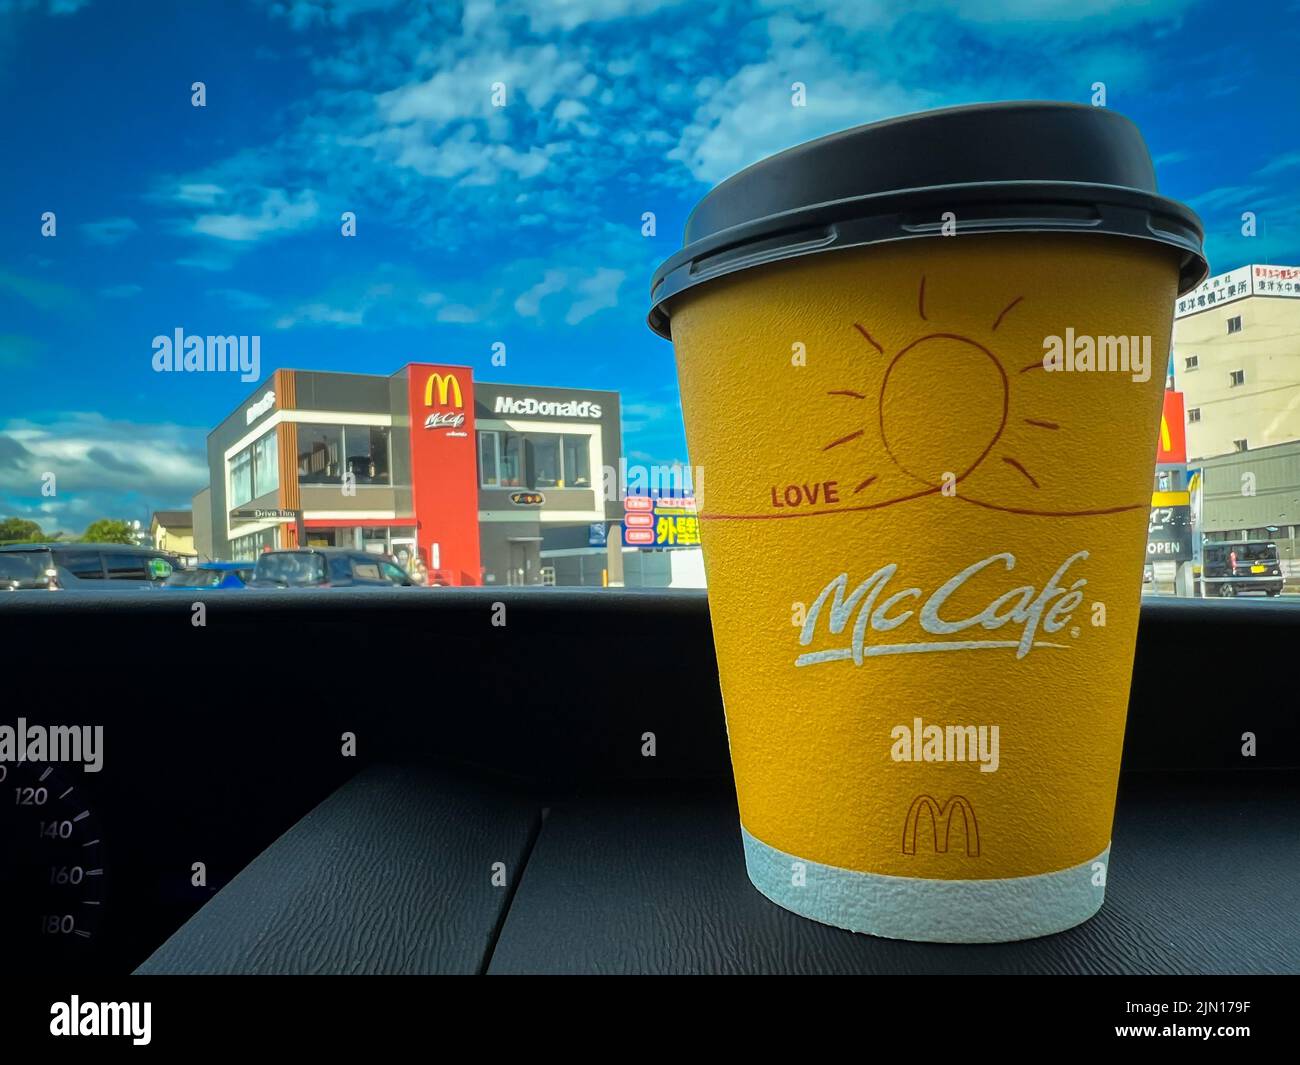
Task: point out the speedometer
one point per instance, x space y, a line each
53 873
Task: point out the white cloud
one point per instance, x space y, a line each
1285 161
320 314
751 115
547 15
278 212
529 303
1242 197
596 293
461 158
1015 15
401 126
303 14
1060 11
458 314
87 452
198 193
568 112
585 291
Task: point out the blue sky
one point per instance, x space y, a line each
476 224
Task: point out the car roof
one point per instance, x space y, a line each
321 551
147 549
226 565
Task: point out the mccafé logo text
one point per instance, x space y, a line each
1025 610
449 394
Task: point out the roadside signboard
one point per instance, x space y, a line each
1169 530
661 521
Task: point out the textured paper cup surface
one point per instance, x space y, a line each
923 554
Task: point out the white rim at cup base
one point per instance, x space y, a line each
925 910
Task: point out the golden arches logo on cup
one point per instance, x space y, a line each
941 816
917 519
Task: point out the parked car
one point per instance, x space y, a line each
213 575
1242 567
25 571
328 567
74 566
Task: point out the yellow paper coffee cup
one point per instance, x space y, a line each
927 467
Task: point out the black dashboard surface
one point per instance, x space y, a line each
393 875
1205 879
498 815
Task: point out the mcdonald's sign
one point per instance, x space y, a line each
1171 448
448 388
444 477
941 814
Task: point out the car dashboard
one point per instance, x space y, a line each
537 781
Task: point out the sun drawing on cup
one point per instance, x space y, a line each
961 379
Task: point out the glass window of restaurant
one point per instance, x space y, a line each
250 545
375 539
487 460
241 478
323 449
544 460
266 465
534 460
401 544
254 471
577 461
367 451
319 450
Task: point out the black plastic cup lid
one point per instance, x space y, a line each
1023 167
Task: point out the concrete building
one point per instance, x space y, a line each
1253 495
173 530
1236 359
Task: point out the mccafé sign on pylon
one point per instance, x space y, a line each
444 479
448 413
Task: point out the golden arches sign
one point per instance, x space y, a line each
447 385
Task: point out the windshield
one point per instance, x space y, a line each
200 578
267 297
23 567
291 569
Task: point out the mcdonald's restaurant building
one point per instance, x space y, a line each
485 481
